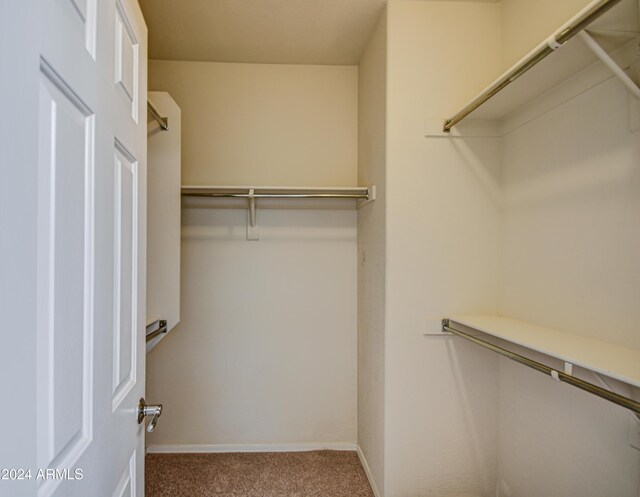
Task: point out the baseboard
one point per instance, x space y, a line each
197 448
365 465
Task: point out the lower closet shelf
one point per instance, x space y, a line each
615 361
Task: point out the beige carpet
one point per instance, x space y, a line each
323 473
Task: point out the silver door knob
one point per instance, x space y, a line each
144 410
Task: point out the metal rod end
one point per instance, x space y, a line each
447 126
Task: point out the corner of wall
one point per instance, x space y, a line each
371 256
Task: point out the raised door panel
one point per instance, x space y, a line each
126 62
125 264
126 486
65 263
81 22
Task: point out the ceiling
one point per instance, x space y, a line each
261 31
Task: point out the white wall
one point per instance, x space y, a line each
539 226
264 124
571 242
443 222
372 95
266 349
163 215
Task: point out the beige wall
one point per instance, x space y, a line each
443 226
372 138
266 351
526 23
263 124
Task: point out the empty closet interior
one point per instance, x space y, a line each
383 212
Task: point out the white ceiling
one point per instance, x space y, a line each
261 31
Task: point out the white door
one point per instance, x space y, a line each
88 80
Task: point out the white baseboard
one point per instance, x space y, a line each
169 449
365 465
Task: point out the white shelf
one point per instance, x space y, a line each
279 197
276 197
614 31
567 61
265 190
615 361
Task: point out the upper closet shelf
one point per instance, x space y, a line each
615 361
610 38
253 193
348 192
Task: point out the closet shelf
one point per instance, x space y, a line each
356 192
615 361
279 197
610 30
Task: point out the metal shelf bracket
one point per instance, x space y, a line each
252 228
599 52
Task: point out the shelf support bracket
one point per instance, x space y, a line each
610 63
252 207
252 228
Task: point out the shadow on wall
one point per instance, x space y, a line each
464 359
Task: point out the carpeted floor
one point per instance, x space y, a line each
323 473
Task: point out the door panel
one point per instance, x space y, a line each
126 235
126 60
64 260
81 8
127 484
86 13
